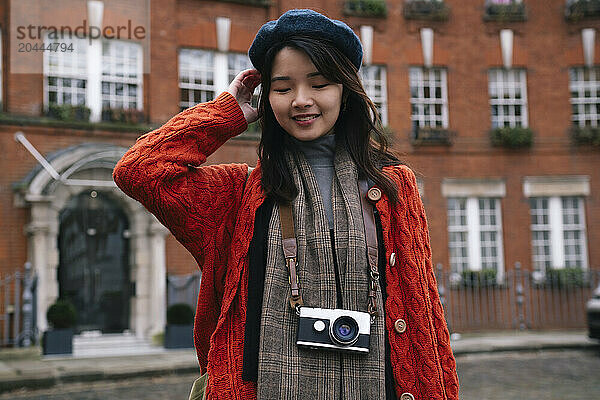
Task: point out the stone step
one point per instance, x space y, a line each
106 345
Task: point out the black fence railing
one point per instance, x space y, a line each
517 299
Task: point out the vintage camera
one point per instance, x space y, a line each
334 329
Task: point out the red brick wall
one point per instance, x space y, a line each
467 46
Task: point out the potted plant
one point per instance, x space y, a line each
179 333
59 340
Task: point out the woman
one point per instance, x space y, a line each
318 156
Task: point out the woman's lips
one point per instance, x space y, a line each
305 120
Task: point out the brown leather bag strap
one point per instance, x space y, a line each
372 250
290 250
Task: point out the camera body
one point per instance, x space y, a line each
334 329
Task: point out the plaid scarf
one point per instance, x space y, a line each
286 371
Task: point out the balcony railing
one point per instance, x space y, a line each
365 8
582 9
433 10
431 136
505 11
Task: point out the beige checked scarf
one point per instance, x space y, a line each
284 370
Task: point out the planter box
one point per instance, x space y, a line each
179 336
428 136
582 9
432 10
512 12
57 341
586 135
512 138
365 8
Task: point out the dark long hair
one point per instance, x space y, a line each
358 125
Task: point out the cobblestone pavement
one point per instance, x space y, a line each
176 387
548 375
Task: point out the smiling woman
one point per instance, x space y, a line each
300 255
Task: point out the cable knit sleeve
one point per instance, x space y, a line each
162 171
441 337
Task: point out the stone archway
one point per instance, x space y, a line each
46 197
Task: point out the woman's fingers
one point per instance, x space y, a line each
242 87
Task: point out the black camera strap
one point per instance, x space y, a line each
290 250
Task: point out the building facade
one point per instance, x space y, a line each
494 104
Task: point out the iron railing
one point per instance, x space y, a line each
519 299
17 308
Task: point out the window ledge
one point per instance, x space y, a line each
11 119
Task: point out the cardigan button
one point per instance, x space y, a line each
392 259
400 325
407 396
374 194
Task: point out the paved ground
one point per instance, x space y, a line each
163 388
548 375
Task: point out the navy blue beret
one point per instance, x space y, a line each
304 21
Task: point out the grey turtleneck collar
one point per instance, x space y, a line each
320 154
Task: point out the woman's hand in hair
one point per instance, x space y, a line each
242 87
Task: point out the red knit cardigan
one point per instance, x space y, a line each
211 209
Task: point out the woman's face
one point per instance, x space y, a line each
304 102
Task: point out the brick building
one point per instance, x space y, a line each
494 104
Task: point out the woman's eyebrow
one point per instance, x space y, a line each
287 78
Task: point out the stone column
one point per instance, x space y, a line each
43 254
158 274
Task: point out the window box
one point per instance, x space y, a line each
513 138
260 3
581 9
480 278
365 8
431 136
586 135
511 11
434 10
569 277
68 112
127 116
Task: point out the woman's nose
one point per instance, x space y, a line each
303 98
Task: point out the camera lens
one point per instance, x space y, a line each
344 330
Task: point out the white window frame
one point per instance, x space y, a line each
223 67
420 102
69 65
498 90
473 228
376 88
557 228
471 192
90 63
585 95
125 75
556 189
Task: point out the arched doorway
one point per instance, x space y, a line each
93 270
